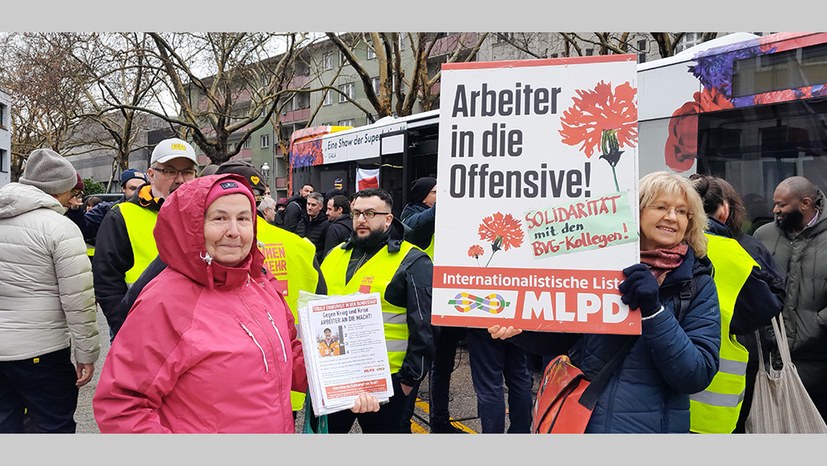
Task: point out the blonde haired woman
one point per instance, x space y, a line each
677 352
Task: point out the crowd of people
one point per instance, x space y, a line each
198 276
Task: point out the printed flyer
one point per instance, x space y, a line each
538 194
344 349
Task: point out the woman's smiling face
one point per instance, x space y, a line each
663 222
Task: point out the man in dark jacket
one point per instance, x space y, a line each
315 223
795 239
419 216
90 221
341 225
377 259
125 244
297 210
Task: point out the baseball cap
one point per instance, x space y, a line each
131 174
247 170
172 148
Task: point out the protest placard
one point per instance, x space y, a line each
537 194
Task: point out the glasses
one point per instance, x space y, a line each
173 173
77 193
663 210
369 214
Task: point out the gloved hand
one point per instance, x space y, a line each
640 290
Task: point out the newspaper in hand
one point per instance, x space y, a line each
344 349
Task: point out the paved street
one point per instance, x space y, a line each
463 400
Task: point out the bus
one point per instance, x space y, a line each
398 149
749 109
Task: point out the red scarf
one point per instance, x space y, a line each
661 261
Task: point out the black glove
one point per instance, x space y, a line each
640 290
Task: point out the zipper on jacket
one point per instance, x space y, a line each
283 350
266 366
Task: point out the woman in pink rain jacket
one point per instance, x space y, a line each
210 344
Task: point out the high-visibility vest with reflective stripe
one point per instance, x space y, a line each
372 277
715 410
139 225
289 257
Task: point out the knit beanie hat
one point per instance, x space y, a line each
421 187
228 185
132 174
49 172
248 171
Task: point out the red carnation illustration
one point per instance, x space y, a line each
602 117
682 143
476 251
503 231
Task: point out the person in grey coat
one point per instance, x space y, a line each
47 306
797 241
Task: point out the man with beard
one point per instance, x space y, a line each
795 240
376 258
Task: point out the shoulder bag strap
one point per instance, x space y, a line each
596 386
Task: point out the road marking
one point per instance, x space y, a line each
418 428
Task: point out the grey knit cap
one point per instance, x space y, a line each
49 172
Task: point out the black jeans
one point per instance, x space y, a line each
440 376
491 362
45 386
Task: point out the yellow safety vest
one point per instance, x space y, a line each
289 257
373 277
715 410
139 223
430 249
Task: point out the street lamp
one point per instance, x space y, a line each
265 169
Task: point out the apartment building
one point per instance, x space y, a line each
5 138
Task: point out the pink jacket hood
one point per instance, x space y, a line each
179 234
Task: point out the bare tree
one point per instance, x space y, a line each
46 88
568 44
122 81
406 79
247 82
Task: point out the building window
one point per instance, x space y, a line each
265 141
2 115
589 52
371 53
504 37
642 49
342 58
327 61
246 143
346 90
4 161
302 99
328 98
346 122
690 39
374 82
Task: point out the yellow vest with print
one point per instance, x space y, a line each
715 410
139 225
289 257
372 277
